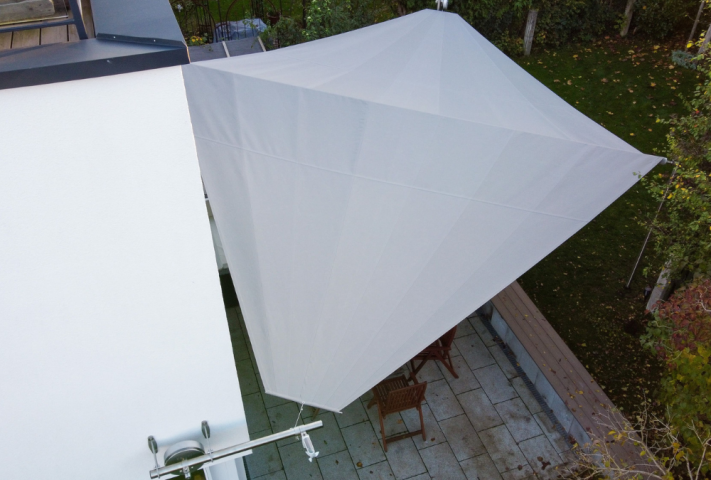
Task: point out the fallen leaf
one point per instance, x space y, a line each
604 80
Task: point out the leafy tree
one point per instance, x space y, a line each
683 230
325 18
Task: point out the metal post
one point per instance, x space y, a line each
234 450
649 233
78 19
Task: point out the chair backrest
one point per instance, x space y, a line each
405 398
448 338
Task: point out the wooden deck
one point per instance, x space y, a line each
571 381
46 36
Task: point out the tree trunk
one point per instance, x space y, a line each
706 40
530 30
628 18
696 23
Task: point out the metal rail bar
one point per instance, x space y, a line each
34 25
78 17
233 450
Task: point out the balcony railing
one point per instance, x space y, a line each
219 20
34 14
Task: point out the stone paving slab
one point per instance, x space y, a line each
482 331
433 432
483 425
502 448
480 468
379 471
280 475
523 391
464 328
264 460
518 419
424 476
541 456
467 380
441 463
503 361
525 472
247 379
282 418
559 443
352 414
296 466
429 373
257 419
404 459
239 347
462 437
363 445
474 351
337 466
442 401
495 383
394 424
327 439
479 409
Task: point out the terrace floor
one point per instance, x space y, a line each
485 425
46 36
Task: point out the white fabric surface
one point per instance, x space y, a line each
111 314
374 188
220 258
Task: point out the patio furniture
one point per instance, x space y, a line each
394 395
439 350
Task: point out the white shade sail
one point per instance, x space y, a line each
374 188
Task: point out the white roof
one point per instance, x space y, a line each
111 315
374 188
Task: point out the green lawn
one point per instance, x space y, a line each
625 86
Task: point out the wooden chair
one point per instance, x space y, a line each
394 395
440 351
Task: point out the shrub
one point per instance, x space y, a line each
683 322
686 391
683 59
681 335
284 33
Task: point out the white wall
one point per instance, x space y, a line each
111 317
